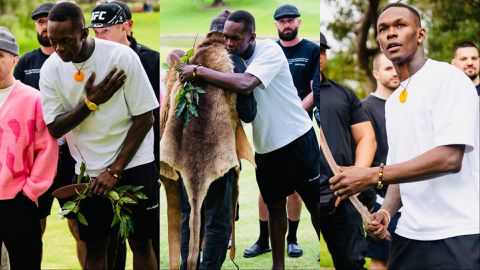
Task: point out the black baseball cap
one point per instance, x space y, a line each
323 42
107 14
126 9
286 11
42 10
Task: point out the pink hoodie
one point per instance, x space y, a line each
28 154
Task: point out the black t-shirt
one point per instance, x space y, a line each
151 63
375 109
246 104
28 68
302 60
340 108
478 89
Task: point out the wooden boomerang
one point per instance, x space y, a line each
362 210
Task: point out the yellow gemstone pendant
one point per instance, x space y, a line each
403 96
78 76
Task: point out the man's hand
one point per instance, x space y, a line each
186 74
103 91
353 180
377 227
103 184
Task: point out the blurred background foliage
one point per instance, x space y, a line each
354 27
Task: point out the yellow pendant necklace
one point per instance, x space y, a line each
404 94
78 75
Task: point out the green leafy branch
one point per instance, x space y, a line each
188 96
120 198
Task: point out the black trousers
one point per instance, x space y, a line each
460 252
343 232
20 232
217 210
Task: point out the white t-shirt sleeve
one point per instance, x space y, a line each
139 94
266 65
455 112
51 103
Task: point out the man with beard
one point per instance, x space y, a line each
303 57
432 122
466 59
287 152
108 124
28 72
374 104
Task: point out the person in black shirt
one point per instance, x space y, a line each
302 56
466 59
28 72
345 124
374 104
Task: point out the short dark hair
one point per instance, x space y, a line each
242 16
464 44
65 11
402 5
218 22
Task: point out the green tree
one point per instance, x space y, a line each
447 22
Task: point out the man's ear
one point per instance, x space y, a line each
375 74
422 35
84 33
253 36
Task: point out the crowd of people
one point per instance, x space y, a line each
409 150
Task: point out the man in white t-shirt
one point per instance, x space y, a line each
107 124
287 151
433 158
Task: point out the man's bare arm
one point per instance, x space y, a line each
136 134
242 83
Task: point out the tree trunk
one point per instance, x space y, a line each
364 53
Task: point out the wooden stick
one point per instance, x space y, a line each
362 210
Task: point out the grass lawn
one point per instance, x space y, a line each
188 17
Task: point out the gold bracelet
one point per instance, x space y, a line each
195 70
91 106
116 175
380 177
386 213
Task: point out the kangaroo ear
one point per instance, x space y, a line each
174 57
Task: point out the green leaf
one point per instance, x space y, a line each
140 195
115 221
200 90
188 97
68 205
193 110
190 53
82 173
82 219
113 195
127 200
180 109
187 118
165 66
195 97
184 59
136 188
180 95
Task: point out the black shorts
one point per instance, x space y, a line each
460 252
65 176
294 167
99 213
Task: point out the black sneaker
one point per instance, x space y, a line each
255 250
